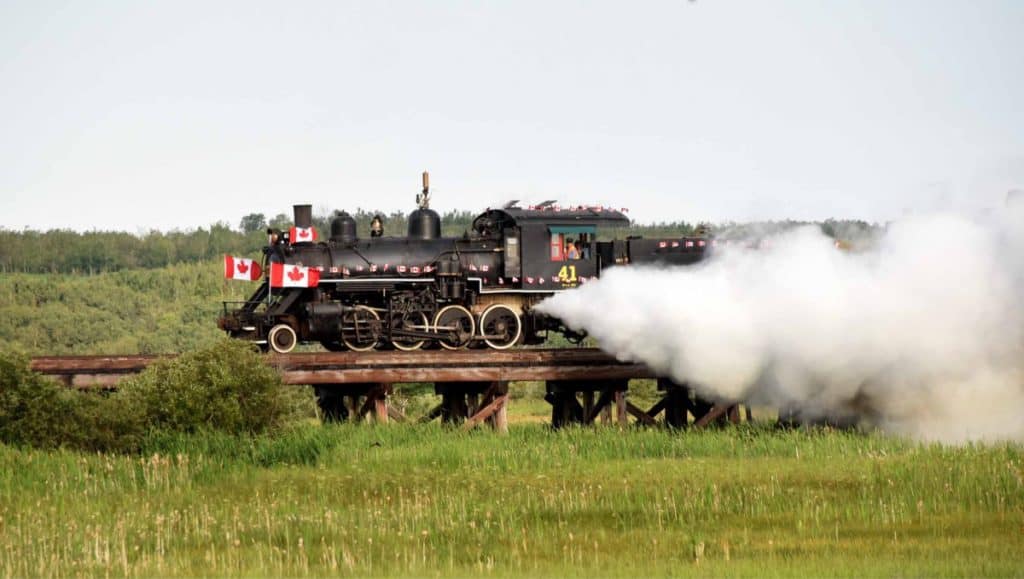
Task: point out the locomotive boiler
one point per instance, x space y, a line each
425 290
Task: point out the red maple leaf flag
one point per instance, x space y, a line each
302 234
241 268
285 275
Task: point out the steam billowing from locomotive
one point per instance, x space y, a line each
920 335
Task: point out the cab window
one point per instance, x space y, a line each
571 243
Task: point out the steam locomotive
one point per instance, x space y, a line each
424 290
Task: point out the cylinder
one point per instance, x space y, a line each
303 216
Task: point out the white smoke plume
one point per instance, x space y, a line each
920 335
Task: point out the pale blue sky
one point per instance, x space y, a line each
137 115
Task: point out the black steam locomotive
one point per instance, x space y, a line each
425 290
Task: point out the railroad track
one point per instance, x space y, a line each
382 366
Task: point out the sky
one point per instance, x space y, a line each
163 115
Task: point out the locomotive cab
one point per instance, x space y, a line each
550 248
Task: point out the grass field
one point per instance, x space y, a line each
423 500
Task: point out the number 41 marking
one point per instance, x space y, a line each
567 273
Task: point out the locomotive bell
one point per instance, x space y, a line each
343 228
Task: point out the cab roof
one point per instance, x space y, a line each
553 214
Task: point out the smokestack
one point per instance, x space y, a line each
303 215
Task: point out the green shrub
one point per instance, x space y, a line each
36 411
226 387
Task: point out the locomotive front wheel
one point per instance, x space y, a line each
413 321
282 339
458 324
360 329
500 327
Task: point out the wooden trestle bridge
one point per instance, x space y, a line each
583 385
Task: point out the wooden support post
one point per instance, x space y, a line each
396 414
734 414
501 417
602 402
675 408
639 414
499 420
380 404
331 403
376 402
588 407
368 403
658 406
486 412
620 408
717 411
352 405
453 407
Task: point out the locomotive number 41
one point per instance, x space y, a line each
567 273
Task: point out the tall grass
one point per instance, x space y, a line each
424 500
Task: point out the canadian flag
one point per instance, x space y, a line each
302 234
689 243
284 275
240 268
662 244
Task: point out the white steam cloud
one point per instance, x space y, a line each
920 335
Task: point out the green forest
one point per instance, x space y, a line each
169 309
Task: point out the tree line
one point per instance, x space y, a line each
92 252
